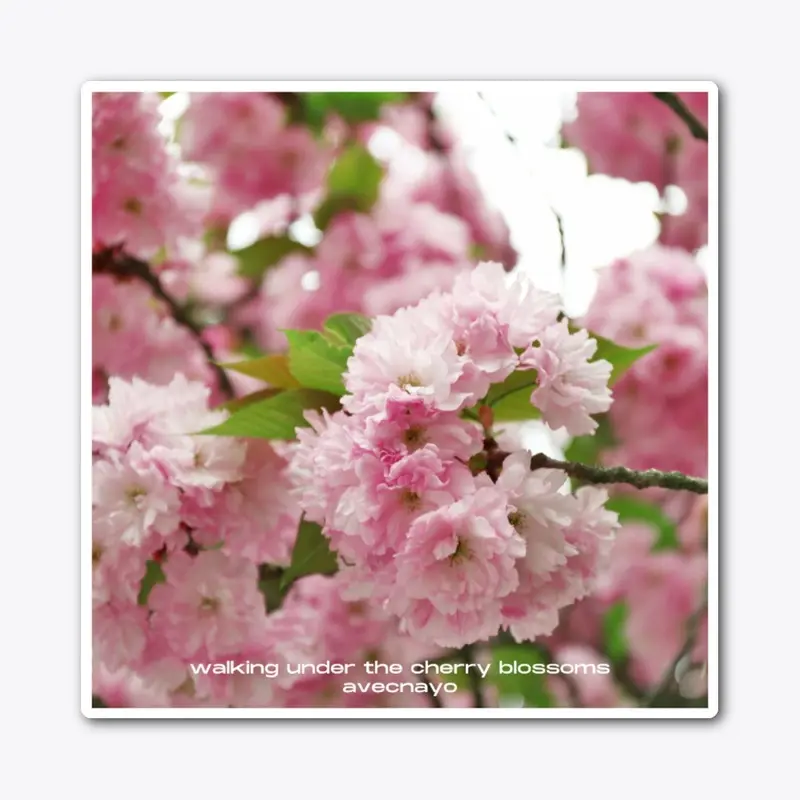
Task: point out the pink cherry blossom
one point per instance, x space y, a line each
422 488
255 515
457 564
133 336
253 154
137 197
412 350
209 605
132 498
571 387
539 511
635 136
660 414
532 611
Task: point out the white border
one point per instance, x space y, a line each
400 713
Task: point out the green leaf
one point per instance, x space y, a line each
269 584
531 688
257 258
215 238
272 369
614 636
275 417
353 107
153 575
317 363
621 358
478 252
510 400
587 449
353 185
248 399
632 509
165 95
347 328
311 555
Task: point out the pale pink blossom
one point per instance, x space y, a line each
133 501
124 688
253 154
570 386
255 515
532 611
133 335
456 566
659 418
405 425
138 199
633 135
594 688
209 605
412 350
539 511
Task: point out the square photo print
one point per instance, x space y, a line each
403 399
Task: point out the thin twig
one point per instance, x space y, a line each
114 261
560 223
512 140
641 479
696 128
435 141
664 689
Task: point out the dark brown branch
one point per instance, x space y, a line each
560 224
696 128
114 261
641 479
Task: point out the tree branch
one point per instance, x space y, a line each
664 690
560 224
640 479
696 128
114 261
513 141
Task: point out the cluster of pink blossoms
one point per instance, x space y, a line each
138 197
660 412
208 509
420 234
659 420
453 554
633 135
139 203
661 592
251 151
368 263
135 335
